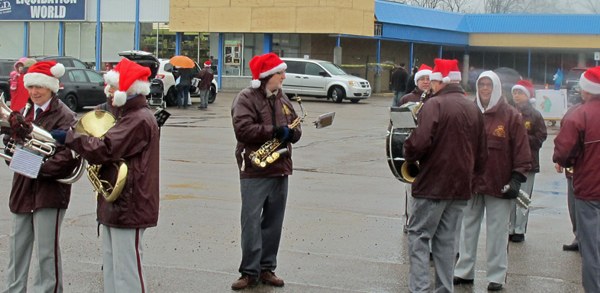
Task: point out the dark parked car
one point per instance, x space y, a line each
6 66
67 61
81 88
573 76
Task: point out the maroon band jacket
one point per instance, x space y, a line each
135 139
254 118
577 145
449 144
28 195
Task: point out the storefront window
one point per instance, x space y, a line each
286 45
42 38
237 52
80 40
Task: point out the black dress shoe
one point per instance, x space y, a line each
571 247
517 238
494 286
458 281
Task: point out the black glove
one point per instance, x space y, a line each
59 135
21 128
283 133
6 130
514 185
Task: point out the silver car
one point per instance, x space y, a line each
323 79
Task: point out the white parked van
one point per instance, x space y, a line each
323 79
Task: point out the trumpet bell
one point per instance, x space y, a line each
95 123
409 171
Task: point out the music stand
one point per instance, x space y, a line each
324 120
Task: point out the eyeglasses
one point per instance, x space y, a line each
485 84
280 72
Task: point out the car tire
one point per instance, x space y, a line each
212 95
71 102
337 94
171 97
354 101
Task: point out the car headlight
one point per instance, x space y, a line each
353 83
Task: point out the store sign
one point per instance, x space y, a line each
42 10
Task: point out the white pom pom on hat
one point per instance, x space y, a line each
263 66
445 70
130 78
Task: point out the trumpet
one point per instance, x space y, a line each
268 152
523 199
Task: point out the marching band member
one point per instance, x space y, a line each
523 96
423 87
38 205
260 113
135 139
577 145
450 127
509 158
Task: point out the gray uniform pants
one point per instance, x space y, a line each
434 221
588 225
122 260
39 230
518 215
204 98
263 209
497 217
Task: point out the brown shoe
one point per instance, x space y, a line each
245 281
269 277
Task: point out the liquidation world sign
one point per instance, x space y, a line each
42 10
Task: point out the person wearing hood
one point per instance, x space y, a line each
18 91
450 127
508 160
524 96
134 140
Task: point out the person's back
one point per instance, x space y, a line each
459 133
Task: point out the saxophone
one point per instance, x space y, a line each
268 152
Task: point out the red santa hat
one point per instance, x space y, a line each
133 82
44 74
207 63
265 65
445 70
424 70
590 81
525 86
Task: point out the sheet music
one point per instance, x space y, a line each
26 163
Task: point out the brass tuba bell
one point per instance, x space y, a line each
96 123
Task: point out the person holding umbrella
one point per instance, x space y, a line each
183 82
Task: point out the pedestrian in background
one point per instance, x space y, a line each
260 113
206 76
411 83
509 158
524 98
399 77
577 146
184 82
450 126
38 205
18 92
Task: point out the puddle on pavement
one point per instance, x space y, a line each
186 185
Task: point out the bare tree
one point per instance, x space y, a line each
592 5
455 5
425 3
503 6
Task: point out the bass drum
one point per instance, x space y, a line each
394 144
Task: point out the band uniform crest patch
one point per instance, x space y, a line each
499 131
528 125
